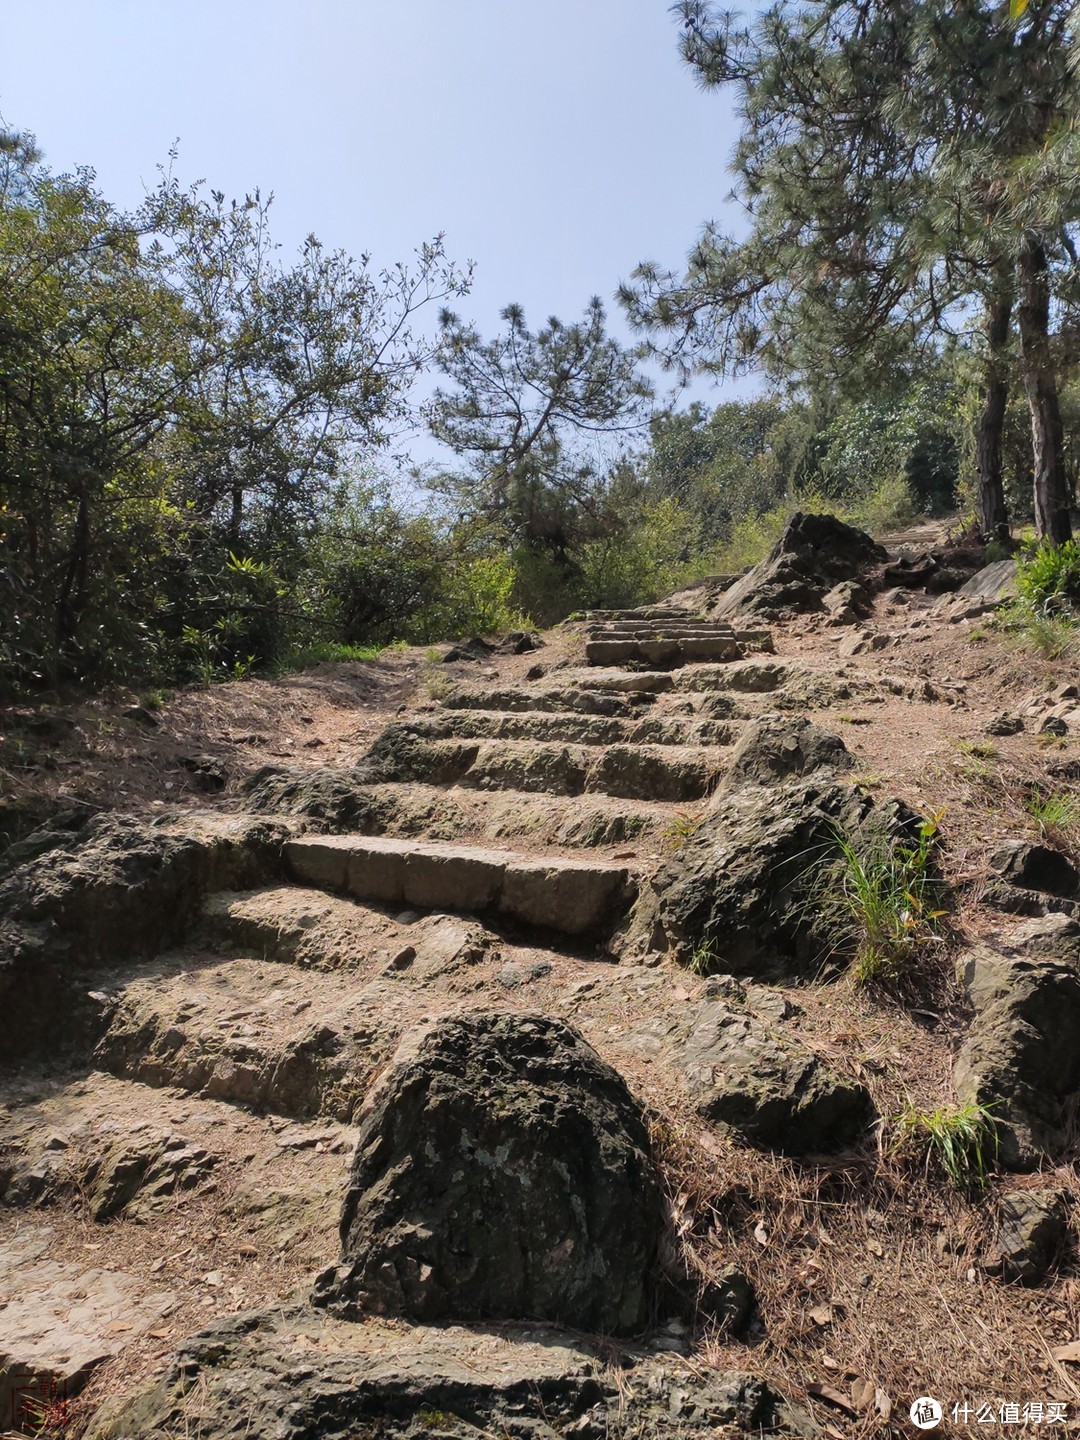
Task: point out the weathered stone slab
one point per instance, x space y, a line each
573 896
59 1321
291 1372
766 1088
251 1032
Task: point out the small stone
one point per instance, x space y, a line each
1005 724
142 716
724 987
729 1299
512 977
1031 1232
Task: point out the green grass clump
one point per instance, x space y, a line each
962 1139
891 893
327 653
1053 636
1045 617
1055 814
705 959
682 827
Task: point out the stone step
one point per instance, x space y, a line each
479 816
662 652
574 897
318 931
75 1133
576 700
628 682
631 772
267 1036
656 629
658 636
91 1149
759 677
644 612
487 724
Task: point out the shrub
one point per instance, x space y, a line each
1048 577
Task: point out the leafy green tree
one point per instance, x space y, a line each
177 406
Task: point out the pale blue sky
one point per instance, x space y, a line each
556 144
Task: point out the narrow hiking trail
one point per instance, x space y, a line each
185 1082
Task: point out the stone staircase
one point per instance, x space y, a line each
281 1002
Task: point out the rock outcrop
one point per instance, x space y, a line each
812 556
767 1089
749 894
1032 879
502 1172
1021 1059
292 1374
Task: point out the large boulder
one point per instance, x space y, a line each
1021 1058
502 1172
752 891
812 556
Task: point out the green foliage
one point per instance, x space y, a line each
525 414
1048 578
868 135
1046 615
640 560
896 456
178 406
961 1139
891 895
682 828
1056 814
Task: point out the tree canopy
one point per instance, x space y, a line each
908 173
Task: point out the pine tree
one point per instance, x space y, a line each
882 164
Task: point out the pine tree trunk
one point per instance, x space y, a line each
993 512
1052 520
